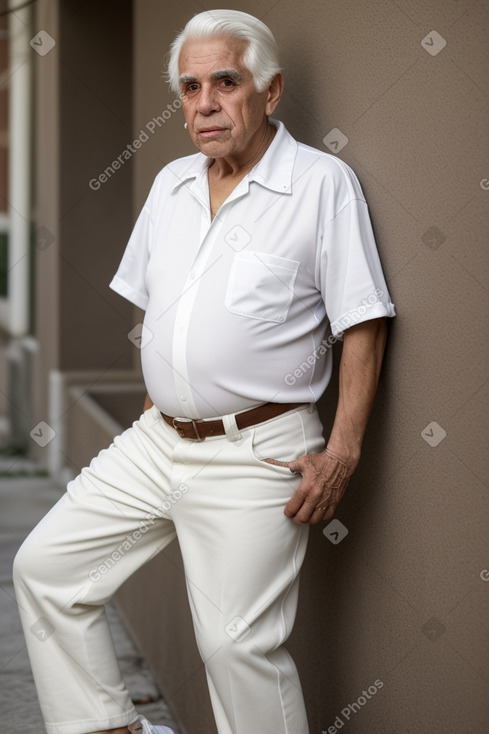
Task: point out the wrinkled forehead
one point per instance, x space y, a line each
200 58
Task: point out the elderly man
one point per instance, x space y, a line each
250 258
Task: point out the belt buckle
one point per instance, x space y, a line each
198 437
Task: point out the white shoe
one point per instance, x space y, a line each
150 729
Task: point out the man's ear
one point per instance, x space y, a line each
275 90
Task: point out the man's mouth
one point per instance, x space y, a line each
211 132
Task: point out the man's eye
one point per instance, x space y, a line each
227 82
191 87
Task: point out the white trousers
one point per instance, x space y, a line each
242 558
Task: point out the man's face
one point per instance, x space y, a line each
226 116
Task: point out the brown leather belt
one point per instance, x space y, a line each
198 430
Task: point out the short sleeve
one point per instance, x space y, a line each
130 278
352 284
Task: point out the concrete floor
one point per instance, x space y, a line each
24 499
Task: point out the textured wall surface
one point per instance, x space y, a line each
403 598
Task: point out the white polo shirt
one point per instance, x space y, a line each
244 309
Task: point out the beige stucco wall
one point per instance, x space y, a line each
401 598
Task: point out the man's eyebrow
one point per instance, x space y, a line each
216 75
227 74
186 79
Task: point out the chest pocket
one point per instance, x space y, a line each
261 286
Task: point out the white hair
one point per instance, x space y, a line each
260 56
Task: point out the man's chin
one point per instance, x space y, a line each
213 148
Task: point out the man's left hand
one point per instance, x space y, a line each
325 477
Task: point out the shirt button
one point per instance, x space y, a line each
182 398
191 276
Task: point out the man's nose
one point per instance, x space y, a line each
208 101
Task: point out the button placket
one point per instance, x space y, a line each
209 232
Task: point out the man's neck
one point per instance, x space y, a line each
231 169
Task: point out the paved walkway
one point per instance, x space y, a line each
24 499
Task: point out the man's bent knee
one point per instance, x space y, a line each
28 561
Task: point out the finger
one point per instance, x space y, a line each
305 511
297 465
306 493
317 516
277 462
295 503
304 501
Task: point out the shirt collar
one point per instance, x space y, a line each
273 170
